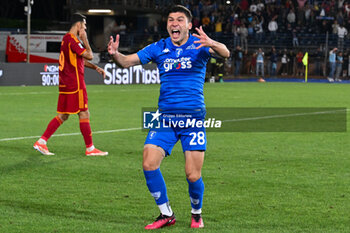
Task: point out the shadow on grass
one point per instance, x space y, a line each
64 212
32 161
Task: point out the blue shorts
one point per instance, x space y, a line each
192 138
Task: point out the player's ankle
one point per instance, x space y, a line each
42 141
90 148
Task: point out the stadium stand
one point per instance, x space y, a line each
308 25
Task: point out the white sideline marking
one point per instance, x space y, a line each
130 129
70 134
55 92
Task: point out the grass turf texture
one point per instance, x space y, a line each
255 182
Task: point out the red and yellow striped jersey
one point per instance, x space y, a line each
71 65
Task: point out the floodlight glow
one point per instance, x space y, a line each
99 11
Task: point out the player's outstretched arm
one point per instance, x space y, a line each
119 58
94 67
215 47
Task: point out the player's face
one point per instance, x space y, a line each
83 24
178 28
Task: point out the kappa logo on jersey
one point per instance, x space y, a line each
177 64
166 50
81 46
192 46
178 52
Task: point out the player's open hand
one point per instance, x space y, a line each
101 71
204 40
113 45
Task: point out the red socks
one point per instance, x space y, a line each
86 131
84 128
51 128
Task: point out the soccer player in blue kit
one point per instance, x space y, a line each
181 59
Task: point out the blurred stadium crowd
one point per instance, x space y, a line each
284 29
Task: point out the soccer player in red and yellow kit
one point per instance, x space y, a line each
72 89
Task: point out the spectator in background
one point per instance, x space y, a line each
260 63
340 17
196 22
318 62
335 26
244 5
301 3
236 38
259 31
253 8
238 58
218 27
251 30
273 61
308 14
299 60
332 64
243 33
295 38
342 32
284 62
273 28
340 4
252 63
205 21
347 9
291 17
339 66
122 28
260 6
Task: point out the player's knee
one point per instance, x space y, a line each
63 117
152 157
193 176
84 115
149 165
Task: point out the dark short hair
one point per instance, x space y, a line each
77 17
182 9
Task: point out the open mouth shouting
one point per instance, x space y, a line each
175 33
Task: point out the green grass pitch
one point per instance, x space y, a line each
255 182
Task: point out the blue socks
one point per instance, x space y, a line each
196 190
156 185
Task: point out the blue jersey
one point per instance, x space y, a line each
182 73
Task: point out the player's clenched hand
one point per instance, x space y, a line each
113 45
204 40
101 71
